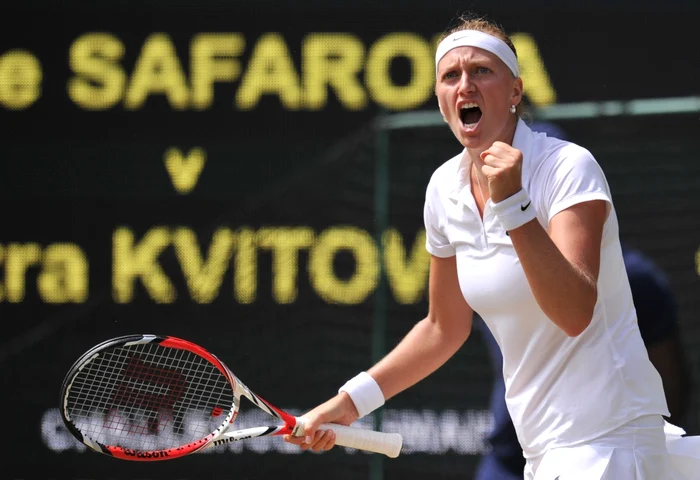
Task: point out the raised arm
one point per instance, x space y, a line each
562 265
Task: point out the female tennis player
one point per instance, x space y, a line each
521 228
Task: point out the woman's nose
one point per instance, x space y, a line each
465 83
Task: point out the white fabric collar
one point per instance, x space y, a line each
522 140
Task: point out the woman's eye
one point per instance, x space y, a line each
451 74
482 70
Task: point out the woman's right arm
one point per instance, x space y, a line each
429 344
433 340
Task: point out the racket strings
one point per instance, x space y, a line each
148 397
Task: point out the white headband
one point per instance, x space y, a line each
475 38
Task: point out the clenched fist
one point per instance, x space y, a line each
503 170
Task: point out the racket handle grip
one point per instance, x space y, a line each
388 444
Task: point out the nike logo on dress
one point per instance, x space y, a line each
522 209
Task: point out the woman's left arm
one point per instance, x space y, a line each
562 265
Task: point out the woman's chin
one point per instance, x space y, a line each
471 138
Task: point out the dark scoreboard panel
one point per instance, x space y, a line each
208 171
97 96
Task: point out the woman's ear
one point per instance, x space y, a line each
517 96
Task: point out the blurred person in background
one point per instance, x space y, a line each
658 324
521 228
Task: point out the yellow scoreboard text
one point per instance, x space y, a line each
62 269
301 77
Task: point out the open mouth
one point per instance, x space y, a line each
470 114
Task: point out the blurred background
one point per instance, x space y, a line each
250 175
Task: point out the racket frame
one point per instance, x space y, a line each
149 455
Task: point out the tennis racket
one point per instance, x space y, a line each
149 397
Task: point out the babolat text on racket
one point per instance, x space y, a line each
150 397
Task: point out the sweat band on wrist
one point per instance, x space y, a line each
364 392
515 210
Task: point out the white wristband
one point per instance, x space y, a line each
364 392
515 210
